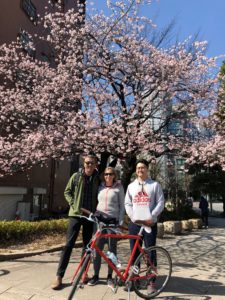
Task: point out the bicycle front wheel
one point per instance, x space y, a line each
79 276
155 268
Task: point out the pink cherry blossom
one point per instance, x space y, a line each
107 89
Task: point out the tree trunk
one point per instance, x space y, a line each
103 162
223 200
128 170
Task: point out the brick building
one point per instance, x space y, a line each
38 191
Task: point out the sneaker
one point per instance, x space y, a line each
151 288
94 280
110 281
57 284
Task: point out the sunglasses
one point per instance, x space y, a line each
108 174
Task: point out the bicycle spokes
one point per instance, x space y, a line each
155 268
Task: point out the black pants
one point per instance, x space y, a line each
72 234
148 238
205 218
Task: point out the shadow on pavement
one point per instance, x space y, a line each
4 272
65 285
195 286
183 297
184 265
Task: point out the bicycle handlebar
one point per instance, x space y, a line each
91 217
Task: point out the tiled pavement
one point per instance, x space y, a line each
198 271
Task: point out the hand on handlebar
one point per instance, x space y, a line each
145 222
88 213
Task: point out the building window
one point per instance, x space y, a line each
26 42
30 10
175 128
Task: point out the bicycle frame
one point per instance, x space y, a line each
124 274
148 274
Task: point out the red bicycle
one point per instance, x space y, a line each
153 265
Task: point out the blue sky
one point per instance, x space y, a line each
191 16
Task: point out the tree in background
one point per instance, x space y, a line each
208 173
221 100
208 181
211 152
110 88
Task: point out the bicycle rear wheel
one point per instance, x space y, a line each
155 268
79 276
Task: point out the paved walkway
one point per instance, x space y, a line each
198 271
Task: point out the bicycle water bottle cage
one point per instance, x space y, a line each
104 218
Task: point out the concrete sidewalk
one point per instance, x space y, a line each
198 271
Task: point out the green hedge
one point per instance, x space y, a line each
25 230
22 231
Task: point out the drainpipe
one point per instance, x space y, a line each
51 184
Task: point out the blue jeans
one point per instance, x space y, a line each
148 238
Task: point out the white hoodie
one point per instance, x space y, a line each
144 201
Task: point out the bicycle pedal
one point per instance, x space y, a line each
120 283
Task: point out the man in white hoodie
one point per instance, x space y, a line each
144 201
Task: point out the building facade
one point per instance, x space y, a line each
38 191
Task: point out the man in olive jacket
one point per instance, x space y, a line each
81 191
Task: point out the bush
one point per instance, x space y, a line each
184 213
27 231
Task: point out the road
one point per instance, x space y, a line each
216 206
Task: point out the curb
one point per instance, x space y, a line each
9 256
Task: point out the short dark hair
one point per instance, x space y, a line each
142 161
90 155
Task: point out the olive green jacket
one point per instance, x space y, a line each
74 192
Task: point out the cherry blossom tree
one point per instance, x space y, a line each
210 152
108 88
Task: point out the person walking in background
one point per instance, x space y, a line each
204 207
81 191
144 201
110 202
189 201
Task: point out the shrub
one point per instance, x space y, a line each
25 230
184 213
